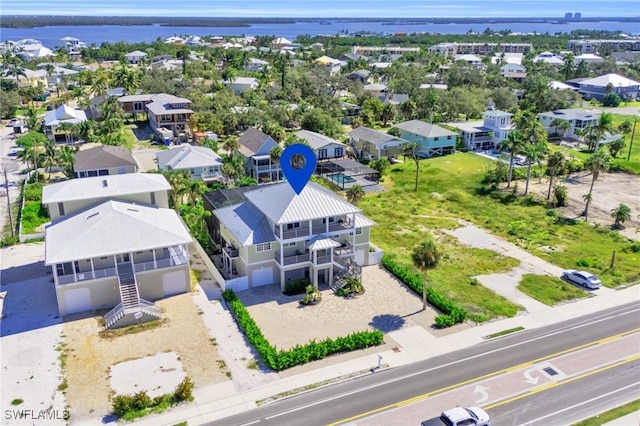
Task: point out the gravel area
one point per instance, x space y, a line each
387 305
158 375
91 354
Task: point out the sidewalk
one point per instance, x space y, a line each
629 419
218 401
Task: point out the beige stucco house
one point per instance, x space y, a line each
118 256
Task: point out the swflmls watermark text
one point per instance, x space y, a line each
25 414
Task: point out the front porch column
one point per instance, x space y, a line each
73 267
310 227
281 255
54 270
326 225
155 262
115 263
353 226
314 276
281 279
93 272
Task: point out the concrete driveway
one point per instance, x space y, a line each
30 335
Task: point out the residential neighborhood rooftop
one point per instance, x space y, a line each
188 157
110 228
104 187
422 128
373 136
315 140
252 140
571 114
103 156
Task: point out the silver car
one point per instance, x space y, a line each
583 278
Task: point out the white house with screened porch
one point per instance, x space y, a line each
118 256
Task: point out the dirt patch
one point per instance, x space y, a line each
609 191
90 356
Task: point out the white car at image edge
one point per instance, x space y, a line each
583 278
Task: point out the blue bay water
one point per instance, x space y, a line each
50 36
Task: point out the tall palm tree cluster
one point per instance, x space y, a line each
38 151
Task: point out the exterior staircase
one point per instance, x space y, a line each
132 309
349 268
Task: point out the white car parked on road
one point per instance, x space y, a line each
583 278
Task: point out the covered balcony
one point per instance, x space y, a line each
108 266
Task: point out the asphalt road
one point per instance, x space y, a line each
348 401
573 401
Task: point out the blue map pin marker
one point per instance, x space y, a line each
298 163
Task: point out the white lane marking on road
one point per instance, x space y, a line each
251 423
581 403
529 378
428 370
482 390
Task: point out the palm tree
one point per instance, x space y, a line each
195 190
66 158
229 74
514 144
274 154
32 120
408 109
50 155
598 162
355 194
599 131
231 144
620 214
388 113
533 153
555 165
100 84
12 65
425 256
233 168
68 129
411 150
179 181
560 126
568 67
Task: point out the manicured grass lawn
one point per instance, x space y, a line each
549 290
610 415
450 187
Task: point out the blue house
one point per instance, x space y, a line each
201 162
433 140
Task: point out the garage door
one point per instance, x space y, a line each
78 300
174 283
262 276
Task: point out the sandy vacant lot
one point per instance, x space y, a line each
609 191
90 354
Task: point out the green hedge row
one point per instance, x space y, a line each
300 354
451 315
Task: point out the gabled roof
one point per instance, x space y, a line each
247 224
281 204
373 136
424 129
316 140
103 156
111 186
110 228
251 141
188 157
614 79
280 40
160 104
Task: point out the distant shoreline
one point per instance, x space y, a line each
21 21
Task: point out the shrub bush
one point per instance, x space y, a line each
294 287
184 390
300 354
451 314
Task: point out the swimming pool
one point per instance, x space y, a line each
340 178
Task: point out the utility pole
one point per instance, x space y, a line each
6 185
633 133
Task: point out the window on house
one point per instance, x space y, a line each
331 220
338 152
263 247
288 244
436 139
358 231
59 269
294 225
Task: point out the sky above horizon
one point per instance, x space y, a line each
325 8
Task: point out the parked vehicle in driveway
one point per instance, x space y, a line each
583 278
460 416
